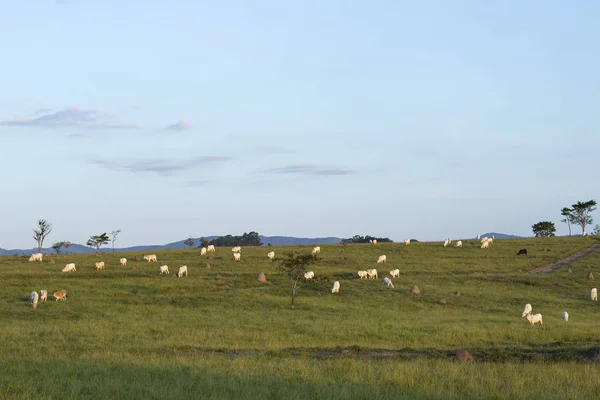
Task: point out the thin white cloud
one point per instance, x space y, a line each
180 126
161 166
73 117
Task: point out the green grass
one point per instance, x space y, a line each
125 333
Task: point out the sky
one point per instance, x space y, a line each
401 119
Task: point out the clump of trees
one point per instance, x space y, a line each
189 242
247 239
544 229
364 239
579 214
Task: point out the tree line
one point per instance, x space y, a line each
364 239
578 214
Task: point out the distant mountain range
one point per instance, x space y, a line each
79 248
274 240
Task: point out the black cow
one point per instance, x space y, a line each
522 251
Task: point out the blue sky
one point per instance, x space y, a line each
421 119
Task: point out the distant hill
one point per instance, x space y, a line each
79 248
500 235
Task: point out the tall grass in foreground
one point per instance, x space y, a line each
131 333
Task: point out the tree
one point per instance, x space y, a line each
44 229
204 242
364 239
568 217
113 238
295 265
247 239
66 245
56 246
189 242
580 213
596 230
97 241
544 229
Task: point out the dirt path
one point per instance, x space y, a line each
546 269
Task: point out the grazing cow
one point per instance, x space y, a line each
100 265
36 257
163 269
237 256
309 275
381 259
182 271
210 248
271 255
60 295
362 274
336 287
522 252
534 319
458 244
123 261
388 282
565 316
69 268
316 250
594 294
395 273
43 295
203 251
33 296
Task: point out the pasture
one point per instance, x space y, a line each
128 332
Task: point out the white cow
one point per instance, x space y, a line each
374 241
33 296
123 261
336 287
484 239
236 249
151 257
446 243
381 259
69 268
182 271
388 282
565 316
407 241
485 245
36 257
594 294
43 295
534 319
100 265
309 275
210 248
395 273
203 251
164 269
526 310
316 249
458 244
362 274
372 273
271 255
237 256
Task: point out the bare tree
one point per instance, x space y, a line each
568 217
44 229
113 238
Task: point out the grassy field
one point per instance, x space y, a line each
130 333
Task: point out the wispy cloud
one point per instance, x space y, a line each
274 150
180 126
162 166
73 117
309 169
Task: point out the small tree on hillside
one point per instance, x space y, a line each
113 238
568 217
189 242
544 229
596 230
56 246
66 245
39 234
580 213
295 265
204 242
97 241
